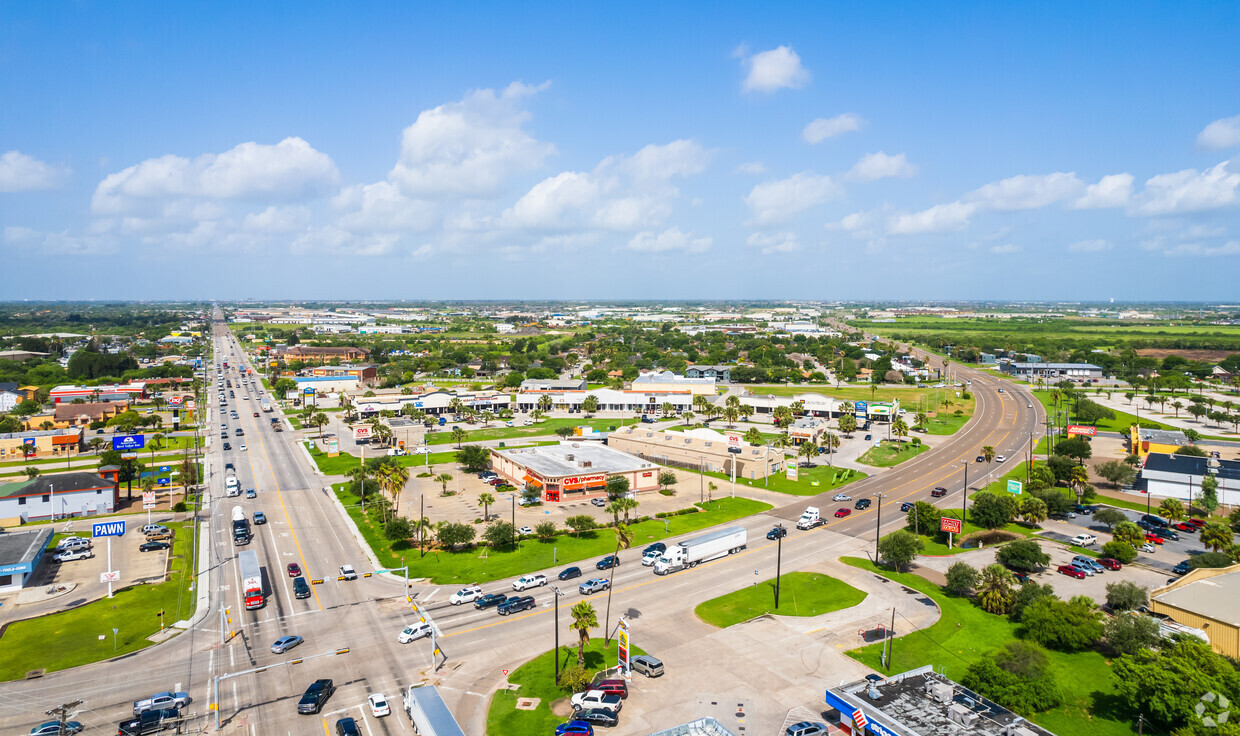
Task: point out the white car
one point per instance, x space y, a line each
529 581
73 543
347 572
509 424
1000 458
525 531
73 554
528 422
650 558
413 632
465 595
841 497
378 705
243 447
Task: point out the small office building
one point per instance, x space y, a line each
701 448
1142 442
609 400
434 403
1179 476
1206 599
1071 371
666 381
40 444
20 554
721 373
553 384
58 496
573 470
129 392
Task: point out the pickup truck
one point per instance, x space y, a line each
1084 540
594 585
592 699
515 605
149 721
529 581
161 700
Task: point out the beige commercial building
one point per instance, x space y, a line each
45 444
707 449
573 470
668 382
1206 599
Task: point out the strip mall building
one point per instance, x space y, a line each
573 470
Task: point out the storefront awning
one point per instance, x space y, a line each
532 480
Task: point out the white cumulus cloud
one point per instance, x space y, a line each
680 158
1190 191
939 218
19 172
1026 192
769 243
1223 133
751 167
278 220
668 240
289 169
1196 250
470 147
874 166
778 68
824 128
1110 191
382 207
1090 246
777 201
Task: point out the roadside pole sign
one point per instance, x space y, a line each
622 650
148 498
110 577
949 525
108 529
1082 429
129 456
129 442
1015 486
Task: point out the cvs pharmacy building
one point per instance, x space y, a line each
573 470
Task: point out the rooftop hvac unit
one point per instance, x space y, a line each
960 714
587 464
569 457
1017 728
940 691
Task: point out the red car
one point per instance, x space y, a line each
294 569
1110 563
938 492
1071 572
1184 526
842 512
1197 522
1153 538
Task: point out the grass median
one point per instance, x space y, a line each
481 564
545 427
891 453
536 679
964 632
810 481
800 594
81 635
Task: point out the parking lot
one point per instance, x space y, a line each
134 566
1165 555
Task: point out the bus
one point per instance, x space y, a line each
251 580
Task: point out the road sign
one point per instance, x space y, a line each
1015 486
307 390
129 442
165 468
1082 429
148 497
108 529
363 432
110 577
948 524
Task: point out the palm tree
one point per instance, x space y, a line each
687 417
808 450
319 420
994 589
584 619
1216 536
746 411
443 479
733 401
486 499
96 444
1171 508
1033 510
900 428
848 424
700 403
394 476
782 415
920 420
614 508
624 538
666 409
731 414
626 505
710 491
156 443
753 436
544 403
988 452
589 404
458 436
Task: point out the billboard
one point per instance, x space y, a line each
862 408
129 442
1015 486
622 650
363 432
949 524
108 529
734 440
1082 429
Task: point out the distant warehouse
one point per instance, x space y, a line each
1052 370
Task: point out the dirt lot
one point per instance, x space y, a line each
1205 356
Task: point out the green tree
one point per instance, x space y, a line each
1128 533
444 479
1026 595
1109 517
584 619
1233 519
1033 510
667 480
1117 472
319 420
563 432
1125 595
1211 559
1208 501
545 531
453 535
993 510
1216 536
398 528
1167 683
1017 675
474 458
988 452
580 523
499 533
1024 554
753 436
1172 509
848 424
458 436
617 486
1120 551
924 517
1075 448
961 579
899 548
994 589
1130 634
487 500
589 404
1064 625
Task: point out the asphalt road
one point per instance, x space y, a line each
365 616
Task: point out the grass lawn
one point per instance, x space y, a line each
800 594
1120 423
344 462
537 680
809 481
933 548
544 427
483 564
890 453
27 644
965 632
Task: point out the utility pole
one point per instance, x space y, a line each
964 494
779 553
556 592
878 524
61 712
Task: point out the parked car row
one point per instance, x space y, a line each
602 703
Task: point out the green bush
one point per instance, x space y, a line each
180 507
1120 551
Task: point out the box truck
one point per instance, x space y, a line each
251 579
705 548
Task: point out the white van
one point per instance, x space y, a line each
232 486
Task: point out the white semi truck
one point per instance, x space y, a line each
691 552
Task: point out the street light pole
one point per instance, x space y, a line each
513 498
878 525
964 493
556 592
779 552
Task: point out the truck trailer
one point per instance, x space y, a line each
691 552
251 580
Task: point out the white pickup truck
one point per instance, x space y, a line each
592 699
529 581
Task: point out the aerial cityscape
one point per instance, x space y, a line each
384 369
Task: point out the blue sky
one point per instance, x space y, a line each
1076 151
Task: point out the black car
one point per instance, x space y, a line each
227 446
490 599
862 503
598 717
515 605
153 546
607 562
1181 568
1083 509
347 727
569 573
777 532
315 697
904 507
656 547
301 589
151 721
1167 534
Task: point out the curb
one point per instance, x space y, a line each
202 580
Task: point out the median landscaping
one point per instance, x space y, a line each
83 634
889 453
800 594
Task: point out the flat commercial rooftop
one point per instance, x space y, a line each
1217 598
573 458
20 548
